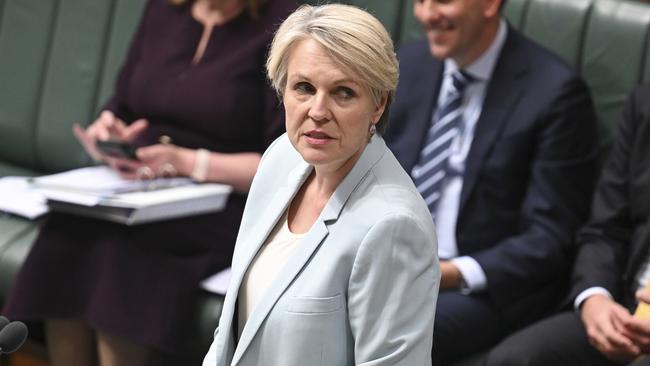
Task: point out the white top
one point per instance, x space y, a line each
448 206
270 259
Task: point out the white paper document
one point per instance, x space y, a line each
103 180
18 197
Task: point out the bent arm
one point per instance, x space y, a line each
235 169
604 242
556 201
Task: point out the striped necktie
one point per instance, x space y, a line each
429 173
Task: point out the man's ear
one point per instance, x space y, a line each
491 8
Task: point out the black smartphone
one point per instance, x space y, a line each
116 149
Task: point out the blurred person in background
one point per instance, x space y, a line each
611 270
499 136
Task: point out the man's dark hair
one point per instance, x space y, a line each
502 5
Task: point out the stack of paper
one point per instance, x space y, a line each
102 180
101 193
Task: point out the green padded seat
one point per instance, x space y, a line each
12 229
411 29
59 76
559 26
387 11
1 9
68 87
71 84
207 315
8 169
614 55
646 67
16 238
514 11
25 32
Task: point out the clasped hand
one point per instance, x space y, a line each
156 160
615 332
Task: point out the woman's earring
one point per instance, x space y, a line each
373 130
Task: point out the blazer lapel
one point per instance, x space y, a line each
309 244
502 94
639 247
425 97
299 258
272 213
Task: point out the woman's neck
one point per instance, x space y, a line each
216 12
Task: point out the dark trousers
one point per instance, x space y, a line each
464 325
558 340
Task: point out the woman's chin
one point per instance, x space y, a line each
316 158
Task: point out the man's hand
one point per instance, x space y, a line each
451 276
638 329
608 327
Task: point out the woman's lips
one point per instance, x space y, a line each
315 137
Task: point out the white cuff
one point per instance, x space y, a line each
473 275
587 293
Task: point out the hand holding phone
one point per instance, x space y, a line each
116 149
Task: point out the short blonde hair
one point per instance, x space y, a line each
354 39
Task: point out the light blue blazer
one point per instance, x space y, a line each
360 288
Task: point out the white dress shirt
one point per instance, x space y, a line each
448 206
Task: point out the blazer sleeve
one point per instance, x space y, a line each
392 294
561 179
604 242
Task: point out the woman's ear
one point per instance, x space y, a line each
379 110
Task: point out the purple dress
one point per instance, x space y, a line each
141 282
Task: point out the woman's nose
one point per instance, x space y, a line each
319 109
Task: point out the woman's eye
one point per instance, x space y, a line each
345 93
303 87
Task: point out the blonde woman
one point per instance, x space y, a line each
335 261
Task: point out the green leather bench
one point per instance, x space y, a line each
58 60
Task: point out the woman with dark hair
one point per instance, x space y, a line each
192 97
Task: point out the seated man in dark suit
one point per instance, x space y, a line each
613 264
499 136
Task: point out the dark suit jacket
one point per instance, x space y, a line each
529 173
615 242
